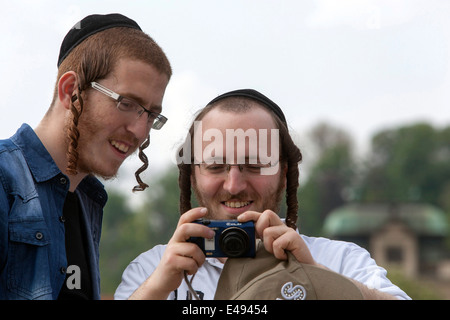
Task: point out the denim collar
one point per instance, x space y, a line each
43 168
39 161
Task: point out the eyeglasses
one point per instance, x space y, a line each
129 106
222 170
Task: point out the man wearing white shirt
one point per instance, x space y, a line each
236 180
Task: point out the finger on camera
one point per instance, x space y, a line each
188 230
249 216
191 215
269 217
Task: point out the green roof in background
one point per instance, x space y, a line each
362 218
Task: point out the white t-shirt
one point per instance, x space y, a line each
342 257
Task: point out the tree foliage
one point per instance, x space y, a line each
410 163
329 178
405 164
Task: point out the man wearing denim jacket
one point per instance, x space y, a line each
108 95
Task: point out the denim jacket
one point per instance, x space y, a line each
32 193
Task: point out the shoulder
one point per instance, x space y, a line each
340 256
15 174
151 257
145 263
352 261
8 153
6 146
323 247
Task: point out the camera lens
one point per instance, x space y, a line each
234 242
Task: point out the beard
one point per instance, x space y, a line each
271 201
91 159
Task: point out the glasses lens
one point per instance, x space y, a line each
133 108
127 105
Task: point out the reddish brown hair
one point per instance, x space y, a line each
95 58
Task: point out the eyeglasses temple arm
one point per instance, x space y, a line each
110 93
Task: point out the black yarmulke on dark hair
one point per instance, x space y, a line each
89 26
255 95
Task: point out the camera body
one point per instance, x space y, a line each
232 239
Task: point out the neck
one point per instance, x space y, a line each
53 137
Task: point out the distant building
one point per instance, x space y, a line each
408 236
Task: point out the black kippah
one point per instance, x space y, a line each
253 94
89 26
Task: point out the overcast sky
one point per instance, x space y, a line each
360 65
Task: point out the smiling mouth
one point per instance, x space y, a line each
121 147
236 204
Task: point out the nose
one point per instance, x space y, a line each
235 181
139 127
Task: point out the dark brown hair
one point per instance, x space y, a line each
95 58
290 157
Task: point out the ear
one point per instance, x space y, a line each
67 85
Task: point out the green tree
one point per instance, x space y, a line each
330 177
161 207
124 236
410 163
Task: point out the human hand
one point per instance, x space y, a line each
277 237
179 256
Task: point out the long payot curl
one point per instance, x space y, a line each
73 134
293 157
184 183
141 185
